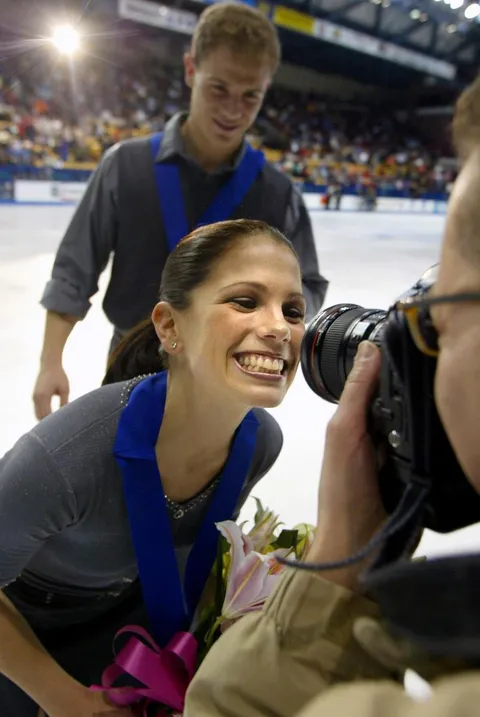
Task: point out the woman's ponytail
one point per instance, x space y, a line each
136 354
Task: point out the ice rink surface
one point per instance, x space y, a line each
368 258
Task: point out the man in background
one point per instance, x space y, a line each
147 193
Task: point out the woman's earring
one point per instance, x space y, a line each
173 345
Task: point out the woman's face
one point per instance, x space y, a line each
240 338
457 381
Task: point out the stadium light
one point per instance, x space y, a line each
455 4
66 39
472 11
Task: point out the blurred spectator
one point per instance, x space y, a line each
59 119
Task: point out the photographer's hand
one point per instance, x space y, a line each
349 510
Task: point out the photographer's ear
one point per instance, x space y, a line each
163 319
361 383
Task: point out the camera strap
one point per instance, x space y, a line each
395 538
402 534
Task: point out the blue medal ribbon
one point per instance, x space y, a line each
230 195
171 605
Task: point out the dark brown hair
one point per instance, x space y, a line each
186 268
243 29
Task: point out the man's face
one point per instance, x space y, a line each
227 93
457 382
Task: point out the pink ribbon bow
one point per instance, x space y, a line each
163 673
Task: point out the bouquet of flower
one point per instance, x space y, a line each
244 575
247 569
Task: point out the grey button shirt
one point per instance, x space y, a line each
120 214
64 527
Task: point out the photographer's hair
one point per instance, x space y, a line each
466 138
242 29
466 121
186 268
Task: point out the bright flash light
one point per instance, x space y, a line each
472 11
66 39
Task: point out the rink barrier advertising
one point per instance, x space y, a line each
390 205
46 192
27 191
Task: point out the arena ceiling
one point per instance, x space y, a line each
423 25
432 28
436 29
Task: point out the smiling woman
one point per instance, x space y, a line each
113 500
234 289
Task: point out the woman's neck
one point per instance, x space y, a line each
194 440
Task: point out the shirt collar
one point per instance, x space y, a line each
173 146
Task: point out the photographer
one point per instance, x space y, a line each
322 648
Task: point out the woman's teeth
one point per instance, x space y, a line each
260 364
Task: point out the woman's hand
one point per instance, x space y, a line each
91 704
349 510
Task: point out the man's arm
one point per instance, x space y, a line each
81 257
274 662
86 246
298 228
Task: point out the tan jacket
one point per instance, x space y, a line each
291 660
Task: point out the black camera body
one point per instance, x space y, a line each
403 415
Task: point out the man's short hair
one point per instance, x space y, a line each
466 121
242 29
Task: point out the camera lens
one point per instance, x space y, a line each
330 344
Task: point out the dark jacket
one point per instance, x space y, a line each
120 214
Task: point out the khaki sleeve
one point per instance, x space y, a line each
276 661
453 697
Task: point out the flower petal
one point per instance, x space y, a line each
261 534
270 559
245 586
240 547
240 544
238 609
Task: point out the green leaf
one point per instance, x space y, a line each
223 547
287 539
260 510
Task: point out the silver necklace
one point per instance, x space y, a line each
178 510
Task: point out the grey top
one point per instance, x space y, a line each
120 213
64 526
